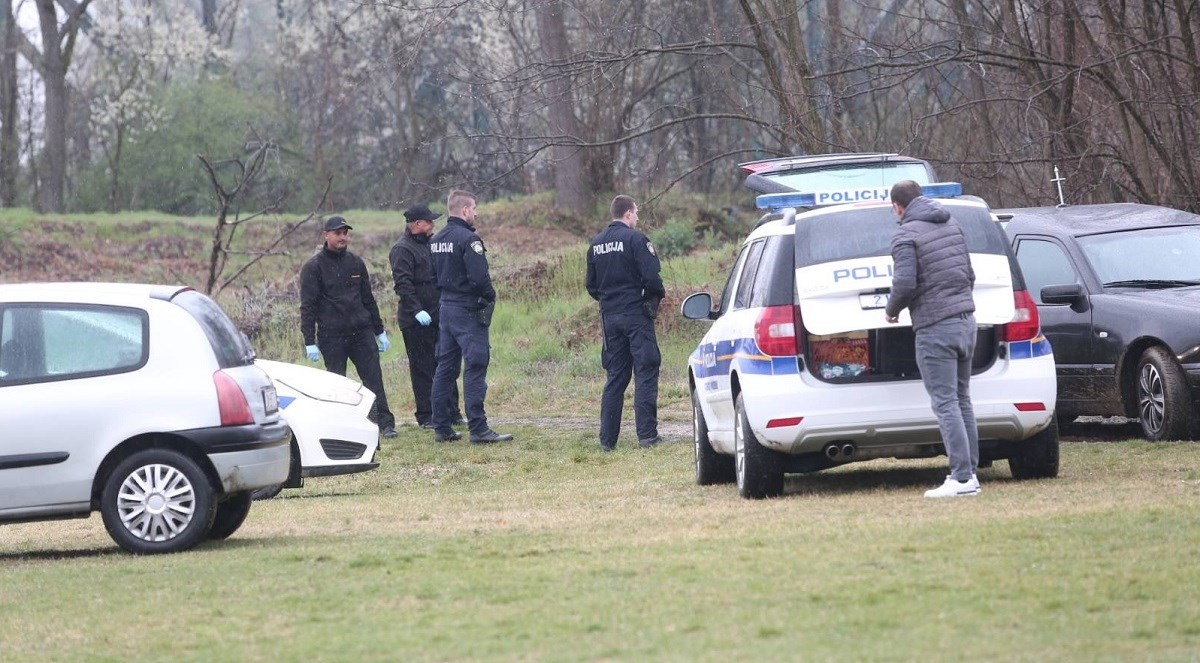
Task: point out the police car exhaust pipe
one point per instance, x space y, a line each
832 451
847 450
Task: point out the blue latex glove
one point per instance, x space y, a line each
423 318
384 343
313 353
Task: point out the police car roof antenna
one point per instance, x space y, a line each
1058 180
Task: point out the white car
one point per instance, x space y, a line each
327 413
140 401
800 370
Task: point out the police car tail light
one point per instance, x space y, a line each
1025 324
235 409
775 330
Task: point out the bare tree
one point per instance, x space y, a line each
246 172
9 112
58 44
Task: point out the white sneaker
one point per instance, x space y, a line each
952 488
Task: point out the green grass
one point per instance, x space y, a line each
548 550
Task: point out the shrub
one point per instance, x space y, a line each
676 238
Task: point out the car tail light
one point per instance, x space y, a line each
775 331
1030 407
235 410
1025 324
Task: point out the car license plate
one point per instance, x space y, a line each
270 400
873 300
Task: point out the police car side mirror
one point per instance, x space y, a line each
698 307
1070 293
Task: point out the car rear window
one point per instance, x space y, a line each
865 232
230 347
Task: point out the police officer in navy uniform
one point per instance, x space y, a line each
339 318
467 302
417 309
623 275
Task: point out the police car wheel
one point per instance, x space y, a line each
1036 457
1163 398
711 467
759 470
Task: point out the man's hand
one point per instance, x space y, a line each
891 318
313 353
384 343
424 318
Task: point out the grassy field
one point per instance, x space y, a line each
546 549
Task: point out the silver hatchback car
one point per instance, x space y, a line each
140 401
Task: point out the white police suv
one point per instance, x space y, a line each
800 370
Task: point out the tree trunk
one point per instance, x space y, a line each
571 189
54 77
209 10
9 143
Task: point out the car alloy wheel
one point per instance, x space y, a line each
1163 397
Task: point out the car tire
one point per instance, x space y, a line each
157 501
293 480
1163 397
231 513
759 470
711 467
1037 457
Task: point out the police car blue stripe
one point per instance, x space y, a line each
285 401
712 359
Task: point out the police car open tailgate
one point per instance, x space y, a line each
850 295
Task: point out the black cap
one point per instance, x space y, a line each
336 223
419 213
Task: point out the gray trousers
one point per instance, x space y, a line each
944 351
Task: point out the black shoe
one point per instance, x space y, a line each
447 437
607 448
427 425
390 431
652 442
459 422
490 436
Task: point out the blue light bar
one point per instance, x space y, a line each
777 201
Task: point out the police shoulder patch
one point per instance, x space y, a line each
477 247
650 248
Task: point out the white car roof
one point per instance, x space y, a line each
779 227
86 291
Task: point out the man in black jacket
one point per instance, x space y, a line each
339 318
417 311
623 275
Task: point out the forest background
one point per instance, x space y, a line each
106 105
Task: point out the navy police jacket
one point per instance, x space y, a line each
335 296
623 270
460 265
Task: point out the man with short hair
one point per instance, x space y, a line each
339 318
467 302
933 279
623 275
417 309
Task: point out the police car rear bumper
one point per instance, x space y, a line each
898 413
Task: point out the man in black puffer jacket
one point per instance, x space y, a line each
933 279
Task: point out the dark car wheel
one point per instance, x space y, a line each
1164 400
711 467
759 470
157 501
1037 457
231 513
